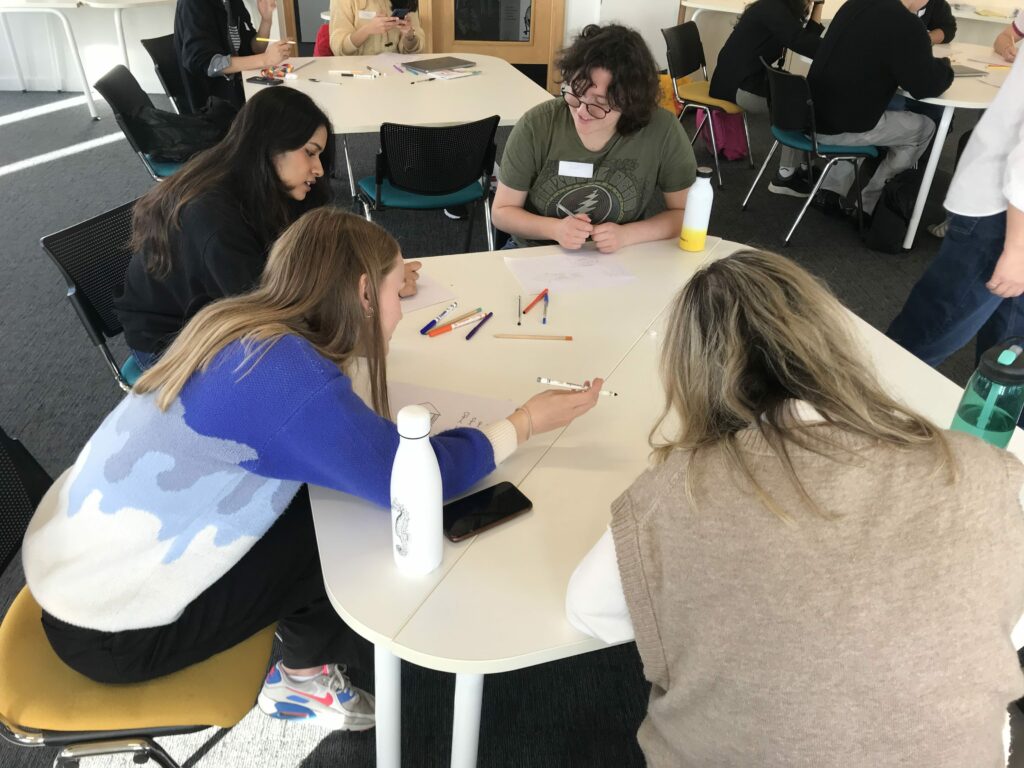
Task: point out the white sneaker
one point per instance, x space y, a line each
328 700
939 230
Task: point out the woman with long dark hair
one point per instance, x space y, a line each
766 30
204 233
587 165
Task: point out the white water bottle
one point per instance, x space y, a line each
698 212
416 499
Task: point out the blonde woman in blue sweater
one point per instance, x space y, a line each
184 526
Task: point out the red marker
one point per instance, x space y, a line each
537 298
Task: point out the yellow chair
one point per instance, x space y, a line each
45 703
685 55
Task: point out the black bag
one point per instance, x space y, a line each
893 211
168 137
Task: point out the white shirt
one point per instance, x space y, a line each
990 174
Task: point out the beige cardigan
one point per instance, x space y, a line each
345 19
879 637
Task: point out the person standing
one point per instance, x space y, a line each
871 48
973 286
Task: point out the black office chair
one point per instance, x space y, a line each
125 96
44 703
422 168
93 258
685 54
165 61
793 125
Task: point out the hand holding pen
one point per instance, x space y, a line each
572 231
552 409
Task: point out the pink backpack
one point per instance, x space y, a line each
732 140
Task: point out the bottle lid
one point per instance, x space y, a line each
414 422
703 172
1004 363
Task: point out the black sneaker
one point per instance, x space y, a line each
794 185
832 204
456 212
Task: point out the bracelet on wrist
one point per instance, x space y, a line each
529 421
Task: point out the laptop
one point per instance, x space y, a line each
443 62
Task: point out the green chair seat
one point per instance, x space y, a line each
393 197
797 140
131 370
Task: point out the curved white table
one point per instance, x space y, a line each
356 105
497 601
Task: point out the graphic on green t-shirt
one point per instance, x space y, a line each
614 193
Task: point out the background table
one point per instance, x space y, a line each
497 601
357 105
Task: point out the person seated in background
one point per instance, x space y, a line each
204 233
215 41
366 27
184 526
815 575
766 30
1006 41
586 166
871 48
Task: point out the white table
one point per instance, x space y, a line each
497 601
964 93
356 105
735 7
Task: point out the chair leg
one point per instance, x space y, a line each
140 747
810 197
760 173
696 133
746 132
488 224
860 197
714 146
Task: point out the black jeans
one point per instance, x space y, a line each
278 580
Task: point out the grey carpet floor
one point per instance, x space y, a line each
54 391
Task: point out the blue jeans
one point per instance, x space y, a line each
146 360
950 304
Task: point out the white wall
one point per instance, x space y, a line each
46 61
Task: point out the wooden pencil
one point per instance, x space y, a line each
536 336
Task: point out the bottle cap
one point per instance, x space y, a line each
414 422
703 172
1004 363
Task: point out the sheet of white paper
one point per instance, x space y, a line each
566 272
449 409
428 292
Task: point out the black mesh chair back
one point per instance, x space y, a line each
683 50
93 257
436 161
790 105
165 60
122 92
22 485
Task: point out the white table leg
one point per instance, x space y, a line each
388 693
86 87
119 29
348 165
469 694
929 175
14 53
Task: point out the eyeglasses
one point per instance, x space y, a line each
596 111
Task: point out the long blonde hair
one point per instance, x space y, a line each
749 335
309 288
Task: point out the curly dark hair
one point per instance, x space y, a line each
634 88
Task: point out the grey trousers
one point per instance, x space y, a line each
905 134
758 105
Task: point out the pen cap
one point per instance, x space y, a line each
413 422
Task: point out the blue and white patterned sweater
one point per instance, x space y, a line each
159 505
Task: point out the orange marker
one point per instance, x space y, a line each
537 298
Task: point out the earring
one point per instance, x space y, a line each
369 314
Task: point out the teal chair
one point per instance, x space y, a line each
793 125
93 258
421 168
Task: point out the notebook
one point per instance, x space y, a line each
443 62
962 70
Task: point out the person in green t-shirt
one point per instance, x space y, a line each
586 166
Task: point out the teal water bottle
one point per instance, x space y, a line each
994 397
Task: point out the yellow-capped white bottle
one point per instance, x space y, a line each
698 212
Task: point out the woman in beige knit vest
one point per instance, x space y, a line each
814 574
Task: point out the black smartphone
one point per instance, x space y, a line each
482 510
260 80
399 13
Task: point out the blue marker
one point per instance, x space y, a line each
436 320
544 319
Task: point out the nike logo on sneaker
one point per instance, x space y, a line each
326 699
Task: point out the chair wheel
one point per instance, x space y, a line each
140 759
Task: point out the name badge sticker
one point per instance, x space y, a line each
577 170
367 14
